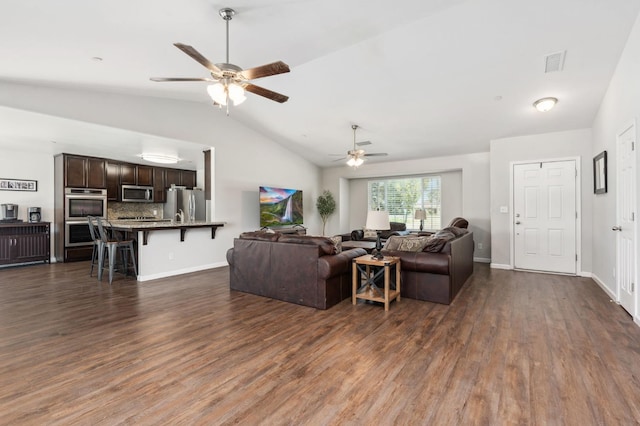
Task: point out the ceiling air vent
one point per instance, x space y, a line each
554 62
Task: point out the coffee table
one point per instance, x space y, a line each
370 291
367 245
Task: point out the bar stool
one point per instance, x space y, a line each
112 247
97 244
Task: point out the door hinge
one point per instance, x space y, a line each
633 146
633 287
576 257
633 216
576 215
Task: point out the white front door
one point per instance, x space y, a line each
626 202
544 216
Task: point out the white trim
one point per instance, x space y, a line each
482 260
600 283
501 266
585 274
181 271
578 191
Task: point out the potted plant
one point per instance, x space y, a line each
326 206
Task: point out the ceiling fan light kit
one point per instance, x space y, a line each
545 104
231 81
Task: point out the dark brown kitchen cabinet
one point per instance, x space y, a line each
180 178
188 178
128 174
144 175
113 182
84 172
134 174
159 186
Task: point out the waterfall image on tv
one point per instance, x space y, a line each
280 206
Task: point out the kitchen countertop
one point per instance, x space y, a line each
145 226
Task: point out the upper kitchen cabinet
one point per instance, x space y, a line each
159 185
179 177
135 174
84 172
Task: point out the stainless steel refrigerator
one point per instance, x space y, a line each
190 201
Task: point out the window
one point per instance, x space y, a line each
402 197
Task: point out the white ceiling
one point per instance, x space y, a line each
421 77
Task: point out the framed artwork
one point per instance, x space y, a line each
18 185
600 173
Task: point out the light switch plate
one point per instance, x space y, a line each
504 209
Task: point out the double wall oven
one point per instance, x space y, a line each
78 204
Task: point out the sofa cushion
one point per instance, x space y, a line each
325 244
393 242
337 242
370 233
260 236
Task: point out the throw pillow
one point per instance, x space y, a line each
446 234
337 241
370 233
413 244
393 242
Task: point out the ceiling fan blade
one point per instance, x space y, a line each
376 154
189 50
269 94
339 159
179 79
265 70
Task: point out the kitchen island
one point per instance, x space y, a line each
166 248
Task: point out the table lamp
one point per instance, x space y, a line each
421 215
378 221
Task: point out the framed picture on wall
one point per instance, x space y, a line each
18 185
600 173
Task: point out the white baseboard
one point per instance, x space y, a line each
481 260
501 266
585 274
181 271
604 287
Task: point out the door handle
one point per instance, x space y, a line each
617 228
517 222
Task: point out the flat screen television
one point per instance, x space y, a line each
280 206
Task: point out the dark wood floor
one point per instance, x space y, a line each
513 348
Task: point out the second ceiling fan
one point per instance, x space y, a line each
355 157
230 80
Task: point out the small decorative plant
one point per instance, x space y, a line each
326 206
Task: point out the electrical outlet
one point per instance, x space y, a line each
155 212
480 245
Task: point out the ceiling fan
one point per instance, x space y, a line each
231 81
355 157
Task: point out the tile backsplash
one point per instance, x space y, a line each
116 210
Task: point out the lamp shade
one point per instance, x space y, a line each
420 215
378 220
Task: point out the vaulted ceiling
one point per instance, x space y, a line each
422 78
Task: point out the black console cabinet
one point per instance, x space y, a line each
22 242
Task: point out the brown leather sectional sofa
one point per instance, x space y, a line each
436 276
292 268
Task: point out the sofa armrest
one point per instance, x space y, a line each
336 264
230 256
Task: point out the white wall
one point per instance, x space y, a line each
18 164
244 159
620 106
474 200
548 146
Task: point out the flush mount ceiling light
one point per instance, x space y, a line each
160 158
545 104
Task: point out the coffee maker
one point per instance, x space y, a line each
34 214
9 212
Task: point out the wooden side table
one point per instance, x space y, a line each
370 291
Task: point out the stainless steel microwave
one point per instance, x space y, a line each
137 194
